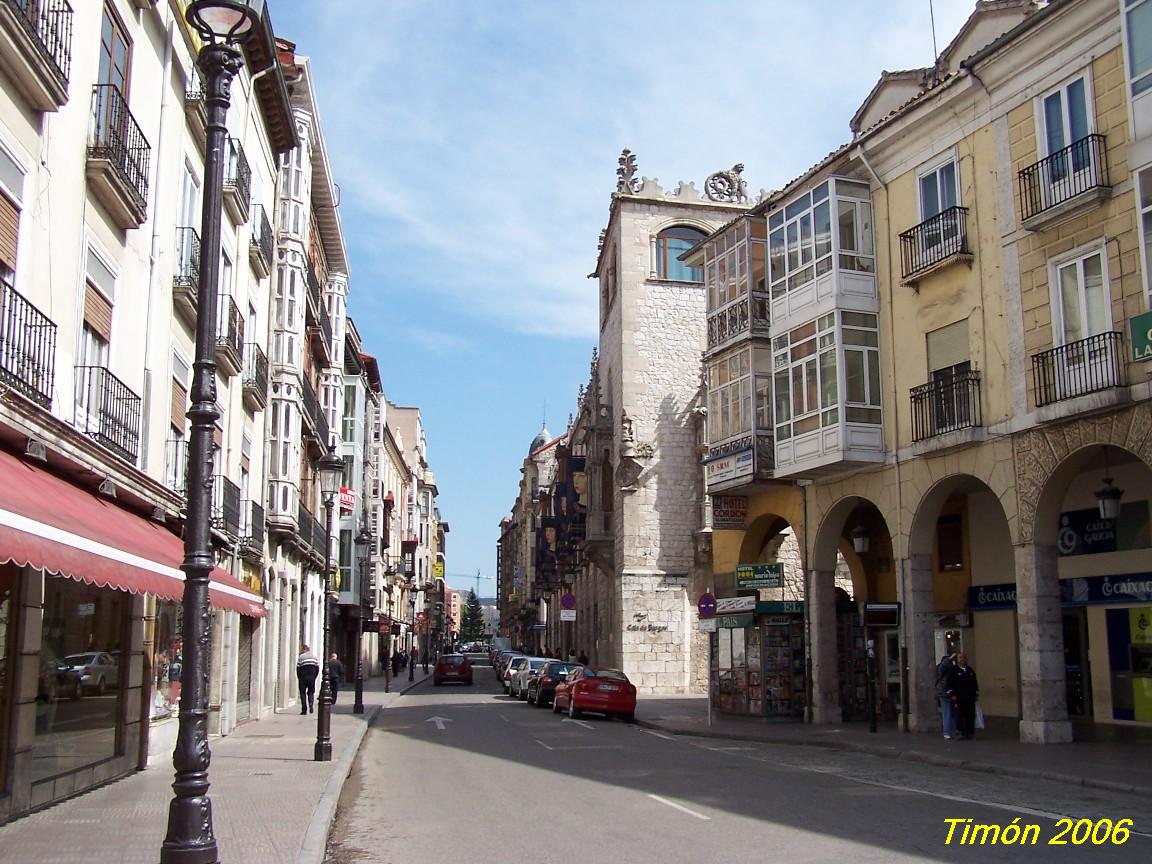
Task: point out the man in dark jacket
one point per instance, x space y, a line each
964 690
335 675
943 675
307 668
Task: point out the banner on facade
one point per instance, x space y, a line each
729 605
1081 591
1083 532
347 499
749 576
729 512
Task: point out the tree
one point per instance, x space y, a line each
472 627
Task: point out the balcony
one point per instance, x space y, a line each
118 156
176 465
315 300
108 411
282 508
27 347
950 404
229 338
934 244
738 465
225 506
320 335
36 49
1079 368
237 182
252 531
186 275
1064 184
315 426
260 246
255 377
195 108
310 535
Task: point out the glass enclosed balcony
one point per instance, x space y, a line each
735 278
740 450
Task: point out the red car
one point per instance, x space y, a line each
452 667
601 691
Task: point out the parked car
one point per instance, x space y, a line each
542 687
600 691
92 671
518 685
452 667
512 667
502 661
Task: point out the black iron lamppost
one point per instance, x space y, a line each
330 468
411 630
363 539
222 24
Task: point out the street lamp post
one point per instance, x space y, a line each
363 539
222 24
411 631
330 468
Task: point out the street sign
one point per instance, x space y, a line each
734 622
728 605
567 614
706 605
1140 331
881 614
568 601
706 625
749 576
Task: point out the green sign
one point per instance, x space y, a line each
779 607
750 576
734 622
1140 331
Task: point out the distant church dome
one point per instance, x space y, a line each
542 438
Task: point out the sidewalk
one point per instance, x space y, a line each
271 803
1115 765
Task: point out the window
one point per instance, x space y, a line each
800 241
348 429
730 396
11 190
854 227
225 274
670 244
1065 119
1138 29
115 53
1145 192
735 263
938 190
189 212
1080 301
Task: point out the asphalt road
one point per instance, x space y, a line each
468 775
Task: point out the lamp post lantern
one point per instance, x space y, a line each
222 24
330 468
363 539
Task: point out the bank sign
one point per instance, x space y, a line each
1083 532
1084 591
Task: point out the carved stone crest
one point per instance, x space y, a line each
727 186
626 173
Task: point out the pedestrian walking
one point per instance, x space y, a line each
335 675
307 669
571 655
964 690
397 660
582 659
947 715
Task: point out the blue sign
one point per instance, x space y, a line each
1083 532
1082 591
706 605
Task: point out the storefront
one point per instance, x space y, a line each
77 690
757 664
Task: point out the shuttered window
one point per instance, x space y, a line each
97 312
179 404
9 232
948 346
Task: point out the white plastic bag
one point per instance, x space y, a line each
979 716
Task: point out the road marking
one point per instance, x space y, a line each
542 744
679 807
439 721
579 723
658 734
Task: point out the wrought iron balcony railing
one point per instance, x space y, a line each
225 505
314 415
187 270
108 411
230 334
255 375
118 138
947 404
237 180
1078 368
314 292
260 246
49 23
1066 174
252 524
934 241
27 347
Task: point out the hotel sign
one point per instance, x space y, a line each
729 512
749 576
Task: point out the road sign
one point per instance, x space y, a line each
706 625
568 601
750 576
706 605
567 614
729 605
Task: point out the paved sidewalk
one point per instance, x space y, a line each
1119 765
271 804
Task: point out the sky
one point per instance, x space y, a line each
475 146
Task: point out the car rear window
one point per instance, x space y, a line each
452 660
517 662
561 669
615 674
537 664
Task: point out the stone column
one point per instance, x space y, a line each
821 595
1044 707
916 576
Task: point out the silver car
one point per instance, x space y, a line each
510 670
518 686
92 671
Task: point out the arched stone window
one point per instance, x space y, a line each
670 244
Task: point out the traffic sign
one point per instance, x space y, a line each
568 601
706 605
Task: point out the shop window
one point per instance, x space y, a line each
9 581
950 542
78 702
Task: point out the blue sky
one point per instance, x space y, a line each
475 144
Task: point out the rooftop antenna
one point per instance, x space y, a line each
932 18
544 419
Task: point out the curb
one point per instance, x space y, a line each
315 845
914 756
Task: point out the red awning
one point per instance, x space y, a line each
49 524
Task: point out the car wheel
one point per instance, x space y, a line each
100 687
77 690
628 718
573 712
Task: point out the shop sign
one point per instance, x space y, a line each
728 605
729 512
881 614
780 607
1082 591
734 622
730 466
1083 532
567 614
438 570
83 610
749 576
347 499
1140 330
